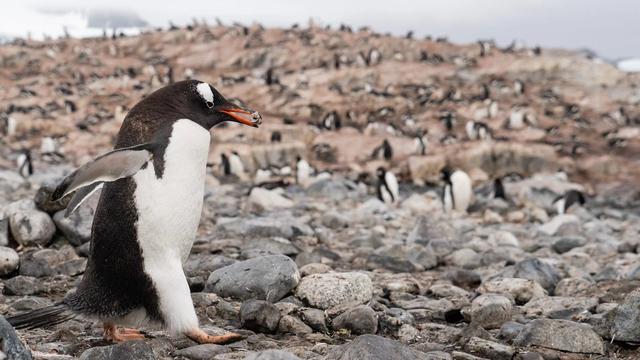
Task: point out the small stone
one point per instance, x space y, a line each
489 349
560 224
77 226
132 350
467 279
252 248
373 347
464 258
261 199
49 262
282 225
359 320
43 200
315 319
22 285
334 220
9 260
509 330
202 351
538 271
561 335
314 268
272 354
490 311
292 325
333 289
522 290
558 307
566 243
12 347
265 278
259 315
623 320
4 232
572 286
30 226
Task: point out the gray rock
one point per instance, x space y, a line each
538 271
464 258
561 224
292 325
373 347
30 226
261 199
315 319
467 279
572 286
401 258
132 350
421 307
77 227
314 268
359 320
335 189
272 354
202 351
522 290
334 220
623 320
49 262
22 285
265 278
204 264
429 229
283 225
271 246
489 349
510 330
566 243
259 315
332 289
29 303
490 311
12 347
559 307
4 232
560 335
9 260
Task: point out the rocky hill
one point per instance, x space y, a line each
358 278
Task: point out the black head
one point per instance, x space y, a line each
446 175
380 173
191 99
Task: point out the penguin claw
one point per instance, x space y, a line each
113 334
202 337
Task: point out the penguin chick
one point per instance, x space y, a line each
147 217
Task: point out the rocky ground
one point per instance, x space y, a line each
325 270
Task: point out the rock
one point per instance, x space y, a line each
12 347
428 230
572 286
401 258
202 351
490 311
558 307
272 246
259 315
489 349
566 243
464 258
44 195
522 290
538 271
30 226
49 262
421 307
559 224
283 225
22 285
4 232
315 319
265 278
359 320
77 227
373 347
9 260
272 354
334 220
623 320
560 335
204 264
468 279
261 199
131 350
333 289
292 325
422 203
314 268
509 330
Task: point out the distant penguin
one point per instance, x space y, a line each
498 189
568 199
332 121
276 136
477 130
235 165
458 190
147 217
518 87
303 171
421 143
25 166
448 119
387 187
384 151
224 164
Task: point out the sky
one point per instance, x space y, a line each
610 28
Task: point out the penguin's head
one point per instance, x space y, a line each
380 173
446 175
201 103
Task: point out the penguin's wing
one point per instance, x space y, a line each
109 167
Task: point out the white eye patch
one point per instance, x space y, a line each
205 92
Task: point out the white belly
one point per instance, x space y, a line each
169 212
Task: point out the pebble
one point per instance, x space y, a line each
359 320
328 290
9 260
261 199
292 325
131 350
30 226
202 351
522 290
490 311
259 315
562 335
272 354
373 347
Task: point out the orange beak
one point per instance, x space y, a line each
246 117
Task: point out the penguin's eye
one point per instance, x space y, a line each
209 104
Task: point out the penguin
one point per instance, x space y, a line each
566 200
332 121
449 119
25 167
276 136
457 194
224 164
498 189
303 171
421 143
236 167
477 130
384 151
518 87
387 188
147 216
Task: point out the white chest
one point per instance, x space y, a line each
169 208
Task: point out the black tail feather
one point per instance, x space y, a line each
50 315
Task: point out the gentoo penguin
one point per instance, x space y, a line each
566 200
387 187
276 136
384 151
457 190
303 171
25 167
147 216
498 189
518 87
477 130
332 121
421 142
235 165
224 164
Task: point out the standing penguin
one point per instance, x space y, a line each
387 187
224 164
25 166
235 165
303 171
147 216
498 189
477 130
457 190
568 199
384 151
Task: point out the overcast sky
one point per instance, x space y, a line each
611 28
